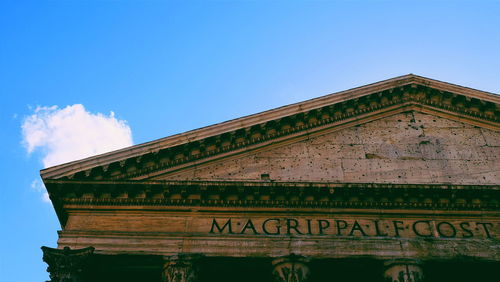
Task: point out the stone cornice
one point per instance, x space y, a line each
405 93
255 194
99 184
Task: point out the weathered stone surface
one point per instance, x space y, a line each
270 234
491 138
404 271
283 224
410 147
290 269
313 246
180 268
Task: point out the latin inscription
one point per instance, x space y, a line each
358 228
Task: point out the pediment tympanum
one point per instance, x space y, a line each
410 147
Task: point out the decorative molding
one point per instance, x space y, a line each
273 194
66 265
286 194
417 95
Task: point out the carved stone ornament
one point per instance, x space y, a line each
180 268
66 265
291 268
403 270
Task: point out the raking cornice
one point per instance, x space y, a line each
350 107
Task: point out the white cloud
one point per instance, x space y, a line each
72 133
38 186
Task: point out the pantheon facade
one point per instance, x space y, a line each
393 181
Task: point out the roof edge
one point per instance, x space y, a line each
262 117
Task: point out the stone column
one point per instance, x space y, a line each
403 270
180 268
291 268
66 265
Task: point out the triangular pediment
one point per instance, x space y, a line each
409 147
400 127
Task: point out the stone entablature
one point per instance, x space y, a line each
267 218
267 194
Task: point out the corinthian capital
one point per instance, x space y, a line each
291 268
66 265
180 268
403 270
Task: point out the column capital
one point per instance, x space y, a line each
66 265
403 270
292 268
180 268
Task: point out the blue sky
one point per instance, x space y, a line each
165 67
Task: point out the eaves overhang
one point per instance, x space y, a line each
309 197
406 92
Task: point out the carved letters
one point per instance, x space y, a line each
355 227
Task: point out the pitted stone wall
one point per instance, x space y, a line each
405 148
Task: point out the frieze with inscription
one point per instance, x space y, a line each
404 228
